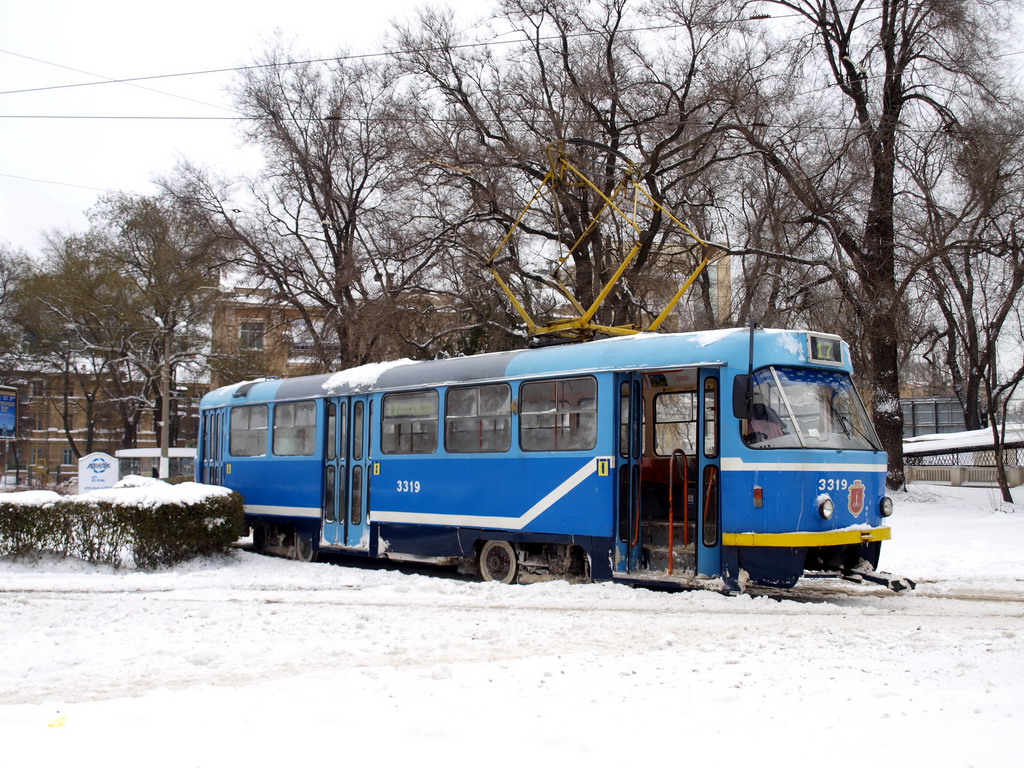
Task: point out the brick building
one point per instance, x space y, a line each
250 337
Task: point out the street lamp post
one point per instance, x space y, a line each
165 408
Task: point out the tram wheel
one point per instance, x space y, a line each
498 562
304 551
259 538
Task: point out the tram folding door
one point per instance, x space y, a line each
628 545
346 473
210 462
708 491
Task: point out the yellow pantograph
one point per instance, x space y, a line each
627 200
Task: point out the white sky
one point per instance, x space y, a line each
111 39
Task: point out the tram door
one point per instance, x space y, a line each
211 459
335 498
357 525
629 544
346 481
709 475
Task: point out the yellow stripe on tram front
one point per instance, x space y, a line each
807 539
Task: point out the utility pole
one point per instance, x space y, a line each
165 406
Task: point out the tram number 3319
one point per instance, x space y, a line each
831 484
408 486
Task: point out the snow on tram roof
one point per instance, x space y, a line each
644 351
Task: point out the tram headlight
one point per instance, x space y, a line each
885 506
826 508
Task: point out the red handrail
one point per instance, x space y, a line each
709 478
672 507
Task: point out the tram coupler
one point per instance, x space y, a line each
863 571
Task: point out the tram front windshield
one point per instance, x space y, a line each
807 408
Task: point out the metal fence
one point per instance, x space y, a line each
968 457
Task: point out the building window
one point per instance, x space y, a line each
558 415
250 335
248 431
295 429
409 423
68 456
301 338
478 419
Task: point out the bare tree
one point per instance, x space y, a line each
117 312
325 227
171 262
583 81
867 73
76 312
971 182
15 269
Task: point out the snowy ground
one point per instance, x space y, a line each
252 660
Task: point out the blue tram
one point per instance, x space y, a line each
712 458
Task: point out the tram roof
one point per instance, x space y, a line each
646 351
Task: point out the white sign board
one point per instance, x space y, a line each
97 470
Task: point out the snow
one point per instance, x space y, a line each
950 441
31 497
132 490
264 661
361 377
707 338
155 494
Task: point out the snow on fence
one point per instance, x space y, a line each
964 458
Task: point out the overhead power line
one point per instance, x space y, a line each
58 183
494 42
110 79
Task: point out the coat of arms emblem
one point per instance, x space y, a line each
856 498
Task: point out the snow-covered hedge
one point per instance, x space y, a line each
146 522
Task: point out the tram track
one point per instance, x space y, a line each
269 595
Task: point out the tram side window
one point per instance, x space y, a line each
248 431
409 423
675 422
295 429
478 419
558 415
711 417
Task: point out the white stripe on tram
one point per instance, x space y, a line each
736 464
495 521
267 509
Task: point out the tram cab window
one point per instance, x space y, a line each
807 408
478 419
409 422
558 415
295 429
248 435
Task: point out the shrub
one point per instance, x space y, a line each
148 522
